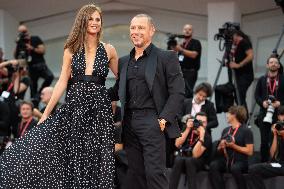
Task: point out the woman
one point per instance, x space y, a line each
74 147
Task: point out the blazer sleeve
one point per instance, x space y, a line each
175 86
212 117
257 93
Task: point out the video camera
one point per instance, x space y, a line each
226 32
172 42
22 40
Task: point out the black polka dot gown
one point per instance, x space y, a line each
74 147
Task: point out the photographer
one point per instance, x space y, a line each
199 103
32 49
27 122
189 53
259 172
234 148
195 146
241 61
269 88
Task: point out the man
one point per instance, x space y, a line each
241 58
45 97
189 53
151 91
259 172
195 146
235 147
34 50
272 84
27 121
199 103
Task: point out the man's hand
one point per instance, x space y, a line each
276 104
234 65
189 124
230 144
201 131
222 144
274 131
29 47
162 123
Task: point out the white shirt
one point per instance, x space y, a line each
196 107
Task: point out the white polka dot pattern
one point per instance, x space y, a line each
74 147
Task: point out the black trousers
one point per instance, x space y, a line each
145 148
190 78
243 84
266 138
37 71
190 166
259 172
218 166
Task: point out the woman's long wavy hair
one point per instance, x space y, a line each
77 36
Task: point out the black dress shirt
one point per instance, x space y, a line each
138 93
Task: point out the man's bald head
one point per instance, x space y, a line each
46 94
22 28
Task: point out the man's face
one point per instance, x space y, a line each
200 97
187 30
230 117
203 119
26 111
141 32
273 65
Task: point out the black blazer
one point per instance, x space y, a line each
165 81
261 92
207 108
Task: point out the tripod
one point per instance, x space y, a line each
231 72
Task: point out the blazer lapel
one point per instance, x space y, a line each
151 66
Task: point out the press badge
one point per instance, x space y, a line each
5 94
180 57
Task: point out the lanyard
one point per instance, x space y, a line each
185 43
235 131
273 87
191 142
10 87
23 130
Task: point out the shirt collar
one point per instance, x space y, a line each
146 52
201 104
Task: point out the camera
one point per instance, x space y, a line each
279 126
226 32
172 42
197 123
229 138
270 110
22 40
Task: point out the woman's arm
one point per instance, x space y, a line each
60 85
113 59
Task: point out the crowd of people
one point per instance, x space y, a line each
164 119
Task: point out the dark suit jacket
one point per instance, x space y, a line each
164 78
207 108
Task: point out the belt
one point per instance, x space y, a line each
99 80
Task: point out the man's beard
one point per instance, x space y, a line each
187 36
